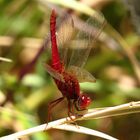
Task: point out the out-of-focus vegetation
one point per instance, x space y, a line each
26 88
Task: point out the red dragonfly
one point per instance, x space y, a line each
68 75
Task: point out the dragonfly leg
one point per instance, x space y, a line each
51 105
78 109
70 110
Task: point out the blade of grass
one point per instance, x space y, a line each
75 5
5 59
132 107
84 130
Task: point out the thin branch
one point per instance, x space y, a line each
5 59
129 108
84 130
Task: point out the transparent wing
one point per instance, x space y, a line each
54 73
81 74
65 34
85 39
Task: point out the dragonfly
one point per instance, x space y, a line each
67 71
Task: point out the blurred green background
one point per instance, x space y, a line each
26 88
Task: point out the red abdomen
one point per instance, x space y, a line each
70 88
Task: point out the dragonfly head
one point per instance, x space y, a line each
83 101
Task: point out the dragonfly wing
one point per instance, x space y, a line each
85 39
81 74
54 73
65 33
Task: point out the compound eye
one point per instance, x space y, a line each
84 101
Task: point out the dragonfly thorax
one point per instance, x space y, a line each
70 87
